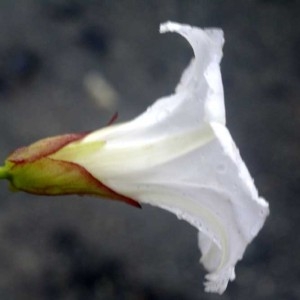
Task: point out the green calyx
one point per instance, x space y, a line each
46 176
4 174
42 168
50 167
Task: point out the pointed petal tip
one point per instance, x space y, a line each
113 119
170 26
133 203
215 33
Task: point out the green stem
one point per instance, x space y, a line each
3 172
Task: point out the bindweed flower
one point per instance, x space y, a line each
178 155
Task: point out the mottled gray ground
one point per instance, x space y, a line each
87 248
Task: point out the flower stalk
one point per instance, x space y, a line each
3 172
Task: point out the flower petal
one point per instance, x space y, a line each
217 196
202 79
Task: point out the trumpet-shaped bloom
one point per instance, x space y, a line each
178 155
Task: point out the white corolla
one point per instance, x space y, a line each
178 155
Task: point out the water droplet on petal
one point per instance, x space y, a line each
221 168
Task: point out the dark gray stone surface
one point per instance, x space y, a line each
88 248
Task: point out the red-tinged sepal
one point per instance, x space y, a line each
34 169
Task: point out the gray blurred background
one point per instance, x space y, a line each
53 57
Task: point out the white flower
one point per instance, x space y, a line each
178 156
